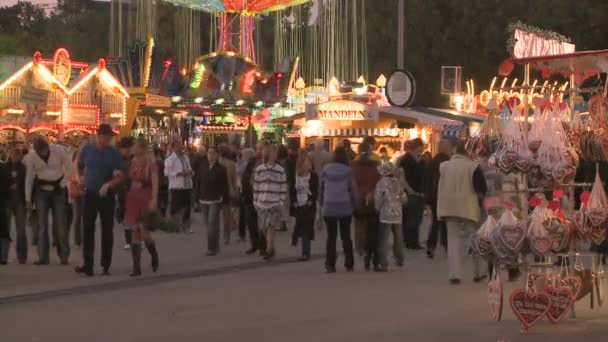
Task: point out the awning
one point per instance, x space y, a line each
456 115
583 62
288 119
350 132
420 117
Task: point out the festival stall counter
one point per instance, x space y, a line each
334 121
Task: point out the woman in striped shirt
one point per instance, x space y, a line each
269 196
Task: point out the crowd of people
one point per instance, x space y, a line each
252 190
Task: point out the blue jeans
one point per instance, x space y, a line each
383 238
211 219
55 202
412 219
16 209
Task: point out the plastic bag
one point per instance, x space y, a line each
509 236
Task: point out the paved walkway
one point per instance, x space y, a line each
235 297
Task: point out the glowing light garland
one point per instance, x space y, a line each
198 76
16 75
148 68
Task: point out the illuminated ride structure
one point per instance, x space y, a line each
224 92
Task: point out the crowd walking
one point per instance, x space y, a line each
252 190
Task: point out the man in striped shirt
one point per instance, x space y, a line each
269 196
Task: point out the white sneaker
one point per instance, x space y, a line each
127 247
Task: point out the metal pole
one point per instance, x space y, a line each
401 35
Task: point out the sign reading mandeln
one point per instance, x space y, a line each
342 110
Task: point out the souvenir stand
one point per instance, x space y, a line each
354 110
542 139
60 99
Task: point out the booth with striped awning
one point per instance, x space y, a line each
350 132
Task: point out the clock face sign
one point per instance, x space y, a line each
400 88
62 66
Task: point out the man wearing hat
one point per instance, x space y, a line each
102 169
48 167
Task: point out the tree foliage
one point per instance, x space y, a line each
77 25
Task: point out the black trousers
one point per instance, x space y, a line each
438 231
333 224
104 206
242 220
181 202
371 243
257 241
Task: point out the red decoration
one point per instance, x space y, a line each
554 205
558 194
489 202
37 57
514 102
585 197
529 308
101 64
534 201
506 68
248 81
508 204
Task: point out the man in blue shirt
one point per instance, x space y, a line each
101 169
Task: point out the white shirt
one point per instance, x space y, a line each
59 165
175 165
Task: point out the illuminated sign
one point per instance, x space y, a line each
342 110
82 115
62 66
158 101
528 44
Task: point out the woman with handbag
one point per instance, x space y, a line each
141 199
305 190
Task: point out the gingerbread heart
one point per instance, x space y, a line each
528 307
561 302
495 298
512 237
597 216
559 174
579 219
575 284
523 164
598 235
540 245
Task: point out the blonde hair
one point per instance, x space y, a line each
302 158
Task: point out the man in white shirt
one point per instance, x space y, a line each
179 171
48 167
